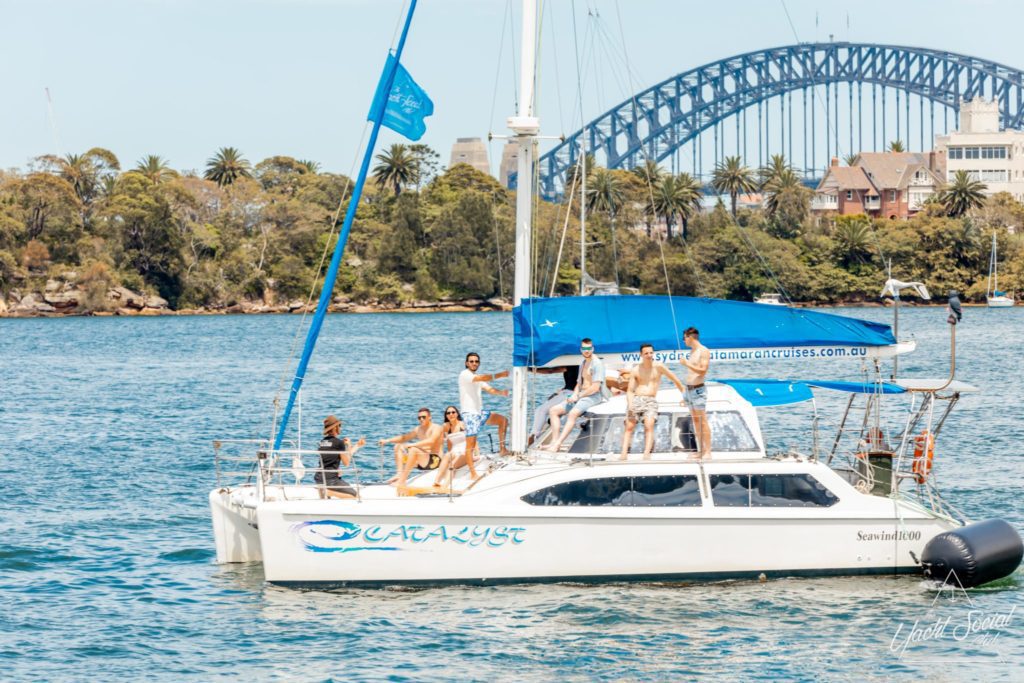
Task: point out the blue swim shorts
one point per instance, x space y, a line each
475 422
697 398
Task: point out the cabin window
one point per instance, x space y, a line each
849 195
673 433
770 490
677 490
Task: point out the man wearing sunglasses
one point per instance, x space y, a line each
424 453
471 403
590 391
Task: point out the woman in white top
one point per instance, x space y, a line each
454 434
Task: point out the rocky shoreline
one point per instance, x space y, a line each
62 299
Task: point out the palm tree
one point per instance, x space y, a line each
650 173
732 177
851 158
85 172
397 168
962 195
786 181
692 195
312 167
573 173
897 146
227 166
854 241
155 168
604 193
777 165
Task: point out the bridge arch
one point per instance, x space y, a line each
662 118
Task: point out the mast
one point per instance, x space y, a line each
994 270
525 126
583 218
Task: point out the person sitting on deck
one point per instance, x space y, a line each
424 452
472 404
454 434
590 391
332 451
642 399
570 375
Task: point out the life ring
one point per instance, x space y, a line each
924 455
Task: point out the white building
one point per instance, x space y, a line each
988 154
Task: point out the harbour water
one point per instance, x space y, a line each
106 559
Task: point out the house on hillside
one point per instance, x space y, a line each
880 184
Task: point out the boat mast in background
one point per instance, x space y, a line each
526 127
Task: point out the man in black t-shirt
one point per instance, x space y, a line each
335 451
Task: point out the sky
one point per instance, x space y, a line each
182 78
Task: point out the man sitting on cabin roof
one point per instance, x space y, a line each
424 452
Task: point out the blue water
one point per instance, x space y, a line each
107 566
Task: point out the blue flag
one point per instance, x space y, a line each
407 103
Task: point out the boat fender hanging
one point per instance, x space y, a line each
972 555
924 454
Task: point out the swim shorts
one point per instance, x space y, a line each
432 464
584 404
475 422
697 398
643 408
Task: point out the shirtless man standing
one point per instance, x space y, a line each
424 452
696 393
642 399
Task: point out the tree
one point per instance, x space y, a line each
605 193
573 175
897 146
310 165
227 166
85 172
676 196
397 168
962 195
650 174
732 177
851 159
155 168
777 166
785 181
853 240
427 163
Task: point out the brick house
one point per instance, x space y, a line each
880 185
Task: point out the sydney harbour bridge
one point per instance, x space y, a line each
849 97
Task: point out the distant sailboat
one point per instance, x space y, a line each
994 297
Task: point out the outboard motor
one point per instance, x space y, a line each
974 554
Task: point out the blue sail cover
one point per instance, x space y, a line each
546 328
780 392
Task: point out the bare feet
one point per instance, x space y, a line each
623 458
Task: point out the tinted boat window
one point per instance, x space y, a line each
674 491
730 490
604 491
655 491
770 490
789 490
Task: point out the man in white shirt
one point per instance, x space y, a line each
472 405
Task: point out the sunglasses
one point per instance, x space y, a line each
450 412
422 417
473 361
584 349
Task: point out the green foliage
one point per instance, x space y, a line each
213 242
227 166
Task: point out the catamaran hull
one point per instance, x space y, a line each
346 550
999 302
234 525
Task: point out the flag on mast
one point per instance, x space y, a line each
405 106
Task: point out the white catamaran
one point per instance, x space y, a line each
581 514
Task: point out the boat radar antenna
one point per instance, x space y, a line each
893 288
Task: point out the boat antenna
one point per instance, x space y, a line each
391 67
53 123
